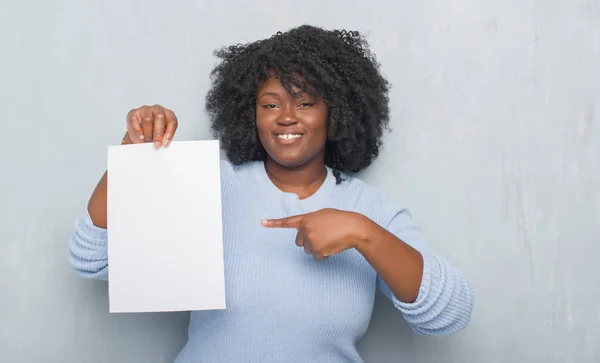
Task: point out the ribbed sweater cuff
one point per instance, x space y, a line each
88 248
86 225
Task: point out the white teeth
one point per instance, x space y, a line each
288 136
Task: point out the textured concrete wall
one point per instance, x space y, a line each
496 149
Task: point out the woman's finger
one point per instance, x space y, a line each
308 249
171 127
134 128
299 239
147 123
160 121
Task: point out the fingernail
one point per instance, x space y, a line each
264 222
167 141
141 137
157 143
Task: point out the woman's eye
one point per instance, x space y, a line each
269 106
306 104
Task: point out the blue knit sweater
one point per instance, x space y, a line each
282 305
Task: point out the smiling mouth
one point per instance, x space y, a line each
288 136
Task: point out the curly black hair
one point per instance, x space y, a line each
340 67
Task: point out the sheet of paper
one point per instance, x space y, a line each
165 244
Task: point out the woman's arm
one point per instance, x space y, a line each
397 263
88 245
434 296
97 204
88 250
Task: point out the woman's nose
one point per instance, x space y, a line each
287 117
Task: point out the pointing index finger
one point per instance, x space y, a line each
288 222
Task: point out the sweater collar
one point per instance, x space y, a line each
324 190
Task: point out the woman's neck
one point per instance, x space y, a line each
303 180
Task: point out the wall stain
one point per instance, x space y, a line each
523 230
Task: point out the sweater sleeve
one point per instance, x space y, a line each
445 300
88 252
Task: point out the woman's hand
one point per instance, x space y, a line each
150 124
325 232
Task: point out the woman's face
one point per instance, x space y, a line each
293 130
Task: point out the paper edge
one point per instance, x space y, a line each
223 304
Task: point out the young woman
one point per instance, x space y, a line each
306 244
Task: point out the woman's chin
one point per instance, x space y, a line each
290 163
293 157
289 160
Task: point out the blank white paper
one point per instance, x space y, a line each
165 243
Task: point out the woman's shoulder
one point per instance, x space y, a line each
370 199
239 174
235 170
362 190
